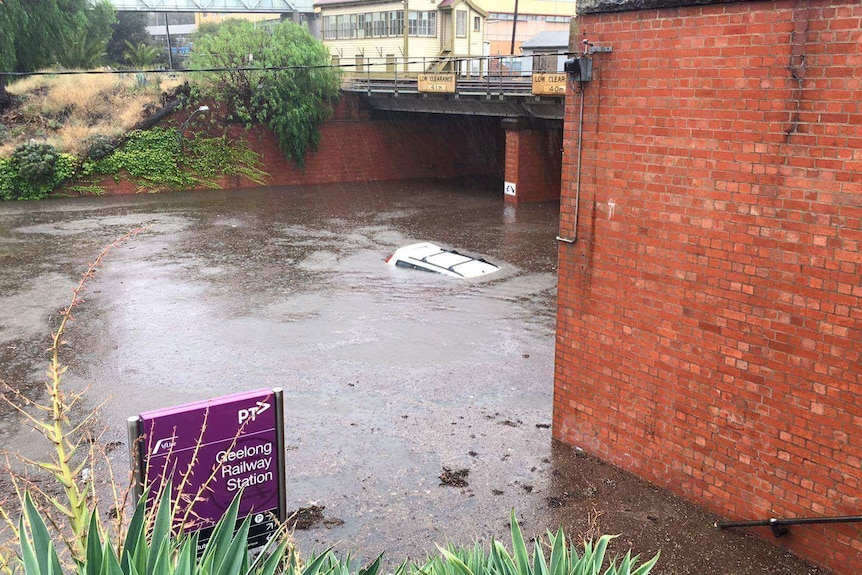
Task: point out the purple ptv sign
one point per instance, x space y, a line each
225 445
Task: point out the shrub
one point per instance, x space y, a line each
35 162
226 552
99 146
34 170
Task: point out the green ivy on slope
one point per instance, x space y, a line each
155 160
158 159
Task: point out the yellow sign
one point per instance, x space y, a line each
437 83
549 84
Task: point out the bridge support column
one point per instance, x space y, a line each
533 161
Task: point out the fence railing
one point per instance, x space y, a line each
488 75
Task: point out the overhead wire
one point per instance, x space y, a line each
255 68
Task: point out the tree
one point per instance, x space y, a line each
293 100
34 35
130 27
84 43
38 34
8 23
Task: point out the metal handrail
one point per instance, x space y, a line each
510 86
779 525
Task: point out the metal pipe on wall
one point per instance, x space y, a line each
574 237
578 173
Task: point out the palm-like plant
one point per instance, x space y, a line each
82 51
140 56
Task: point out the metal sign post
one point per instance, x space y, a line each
221 447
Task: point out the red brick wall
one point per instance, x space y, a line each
533 163
357 147
709 326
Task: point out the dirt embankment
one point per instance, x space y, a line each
75 113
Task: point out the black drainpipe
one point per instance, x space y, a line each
779 526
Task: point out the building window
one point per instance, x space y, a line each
477 24
461 23
336 60
396 23
329 28
432 23
422 23
413 23
380 25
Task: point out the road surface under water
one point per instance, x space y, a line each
389 375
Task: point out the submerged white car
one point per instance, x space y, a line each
432 258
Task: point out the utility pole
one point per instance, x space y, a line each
168 34
514 27
406 32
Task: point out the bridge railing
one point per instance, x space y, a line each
488 75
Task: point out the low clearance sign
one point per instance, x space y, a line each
238 441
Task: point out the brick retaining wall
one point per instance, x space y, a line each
358 147
709 325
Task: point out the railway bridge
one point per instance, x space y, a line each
529 120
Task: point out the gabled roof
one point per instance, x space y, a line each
449 4
555 39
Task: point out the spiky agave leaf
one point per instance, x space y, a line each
519 548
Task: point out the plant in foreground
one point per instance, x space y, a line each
563 559
156 550
159 551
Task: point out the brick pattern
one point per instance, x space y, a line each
709 323
534 163
357 146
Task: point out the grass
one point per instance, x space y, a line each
68 112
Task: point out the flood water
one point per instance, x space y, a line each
389 374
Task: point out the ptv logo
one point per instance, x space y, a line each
251 413
165 444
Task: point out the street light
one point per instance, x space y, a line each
186 123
